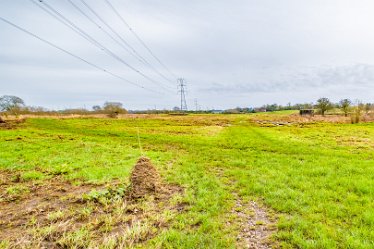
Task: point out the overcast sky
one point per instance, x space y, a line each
231 53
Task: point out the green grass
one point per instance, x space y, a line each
319 178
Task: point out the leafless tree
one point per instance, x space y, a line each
11 104
96 108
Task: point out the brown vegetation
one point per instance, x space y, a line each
295 119
57 214
11 123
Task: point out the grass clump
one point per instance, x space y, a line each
32 176
17 190
105 196
55 216
80 238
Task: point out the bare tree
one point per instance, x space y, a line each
324 104
345 105
113 109
96 108
11 104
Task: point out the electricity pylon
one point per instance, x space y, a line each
182 91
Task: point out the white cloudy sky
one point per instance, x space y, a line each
232 53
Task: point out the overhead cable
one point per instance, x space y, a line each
84 34
139 39
73 55
140 59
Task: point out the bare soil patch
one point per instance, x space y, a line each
256 224
11 123
32 201
56 214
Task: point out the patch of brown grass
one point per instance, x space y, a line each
295 119
9 124
57 214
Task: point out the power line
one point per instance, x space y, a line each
69 25
99 26
116 41
78 30
111 29
73 55
196 105
138 38
116 33
82 33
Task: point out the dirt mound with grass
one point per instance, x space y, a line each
53 213
145 180
10 124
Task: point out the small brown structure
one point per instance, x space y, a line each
306 112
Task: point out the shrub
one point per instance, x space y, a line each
113 109
357 114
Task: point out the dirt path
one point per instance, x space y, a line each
256 225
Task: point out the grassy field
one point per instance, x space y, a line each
315 180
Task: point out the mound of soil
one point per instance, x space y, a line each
10 124
44 214
145 180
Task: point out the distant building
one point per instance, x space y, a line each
306 112
216 111
260 109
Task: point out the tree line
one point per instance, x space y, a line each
13 105
321 106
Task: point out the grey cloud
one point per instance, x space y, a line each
253 51
356 76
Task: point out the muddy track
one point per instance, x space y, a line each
256 224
